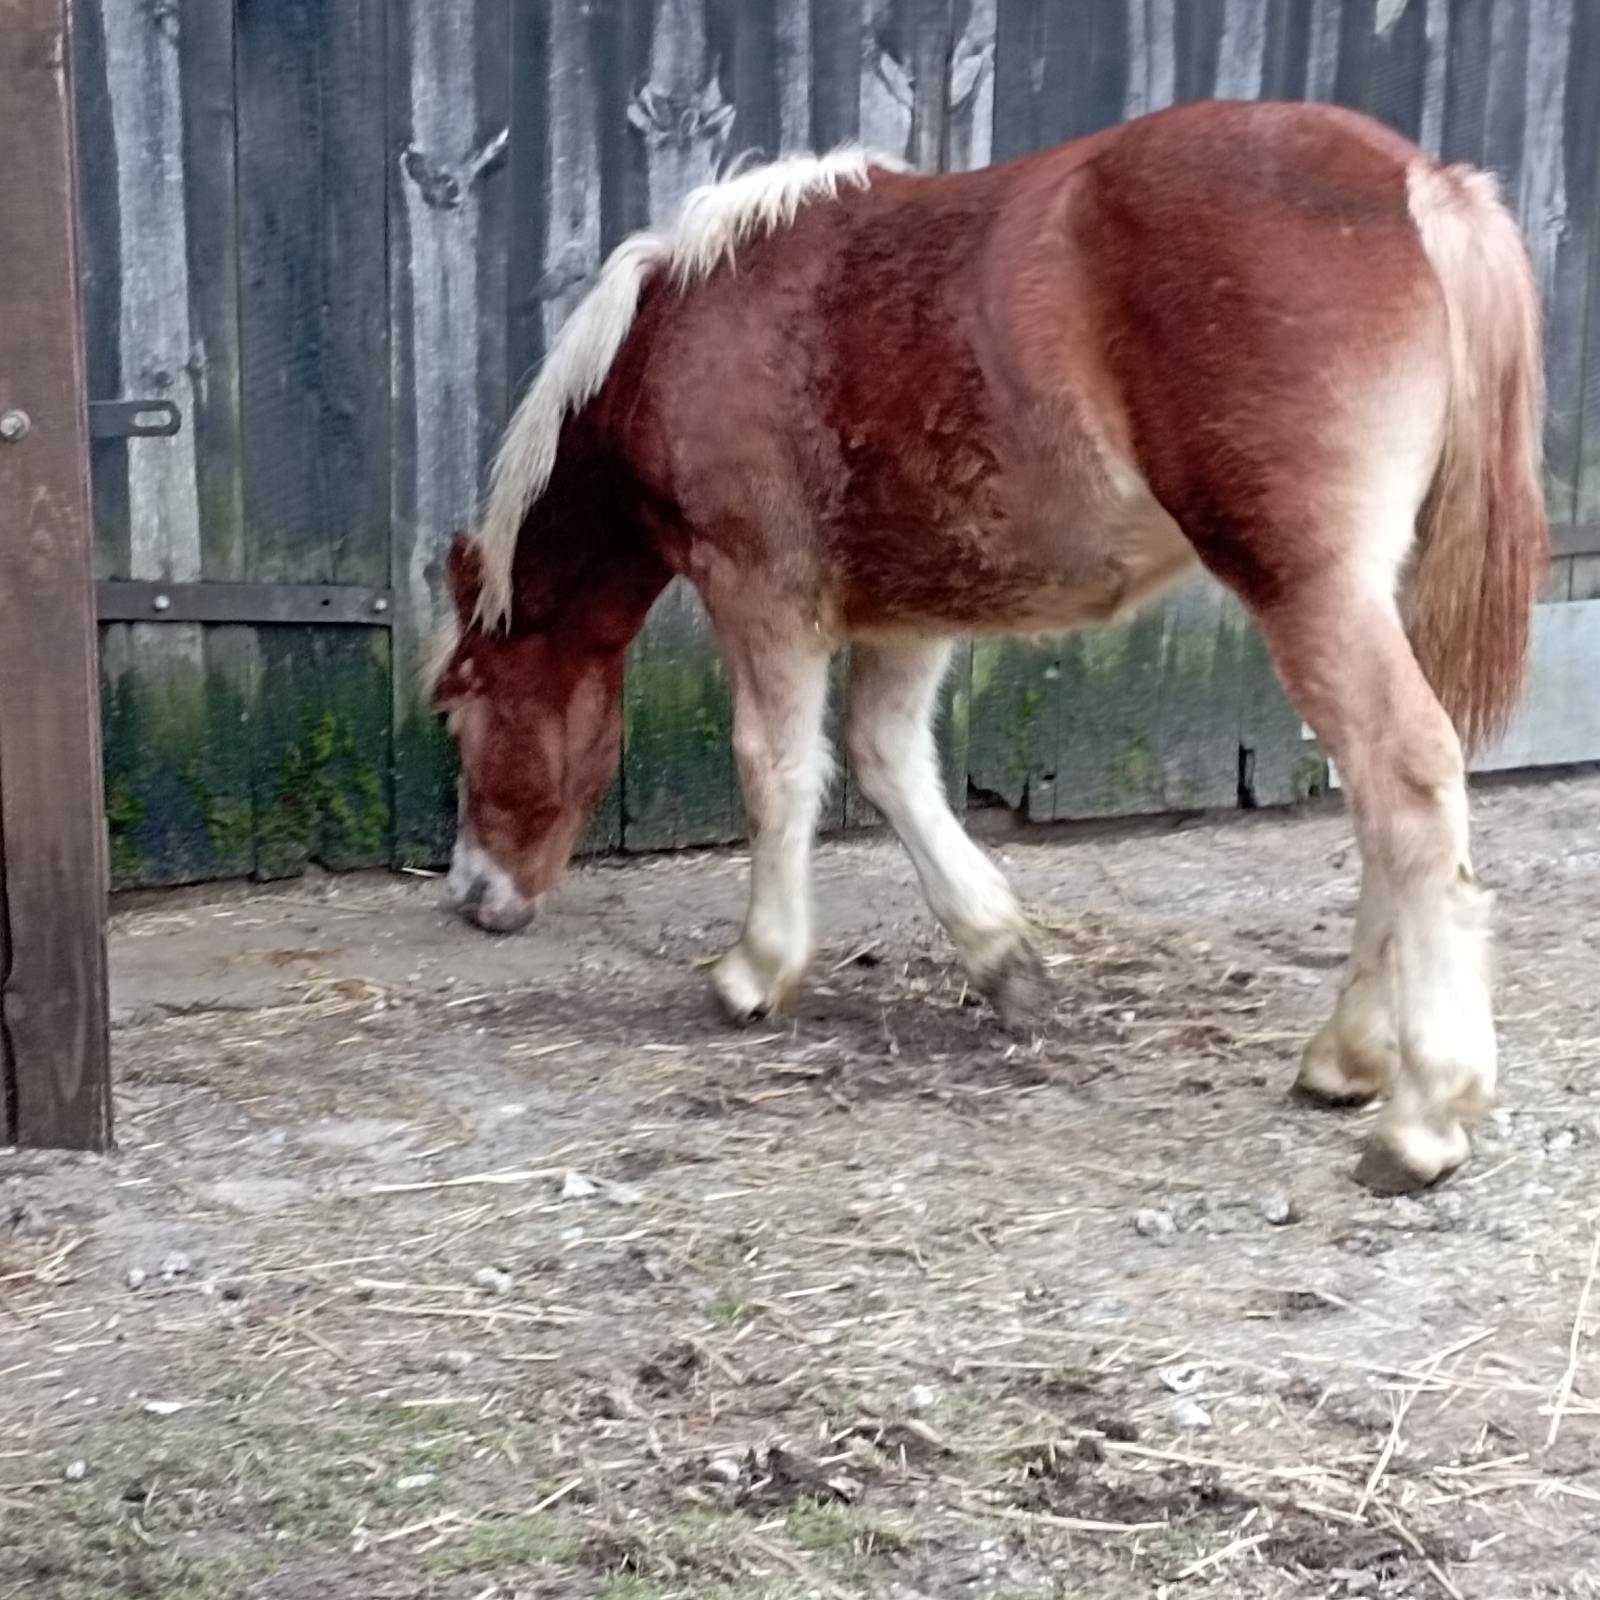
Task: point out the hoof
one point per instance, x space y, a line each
1019 988
1333 1075
1405 1161
745 993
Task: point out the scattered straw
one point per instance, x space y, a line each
1569 1376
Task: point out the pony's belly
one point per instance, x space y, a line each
1027 577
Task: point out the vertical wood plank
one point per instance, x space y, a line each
1286 55
927 40
1065 71
1382 70
1575 397
314 178
838 47
449 130
1322 62
792 50
743 43
54 1059
665 128
1198 46
1018 57
1241 50
887 83
1152 57
969 140
155 90
315 381
1559 233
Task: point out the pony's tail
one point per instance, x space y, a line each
1483 540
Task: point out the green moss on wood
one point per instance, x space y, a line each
327 804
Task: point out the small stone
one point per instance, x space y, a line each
175 1265
493 1279
1191 1414
76 1471
1181 1379
724 1469
922 1397
1155 1224
1354 1579
1276 1209
417 1480
137 1277
454 1360
578 1187
164 1408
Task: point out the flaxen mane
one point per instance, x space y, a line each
714 222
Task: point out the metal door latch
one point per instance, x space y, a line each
133 419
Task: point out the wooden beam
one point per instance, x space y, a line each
54 1058
349 605
1574 539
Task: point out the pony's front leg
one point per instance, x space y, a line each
893 688
780 694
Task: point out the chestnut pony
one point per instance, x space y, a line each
854 405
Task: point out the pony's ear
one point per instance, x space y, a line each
463 571
457 680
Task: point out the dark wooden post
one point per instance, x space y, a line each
54 1068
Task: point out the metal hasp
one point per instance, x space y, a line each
133 419
262 603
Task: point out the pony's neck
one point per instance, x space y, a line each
586 569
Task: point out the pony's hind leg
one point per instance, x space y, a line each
893 687
780 694
1348 666
1353 1056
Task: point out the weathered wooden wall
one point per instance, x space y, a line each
341 233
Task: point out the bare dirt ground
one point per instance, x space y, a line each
432 1266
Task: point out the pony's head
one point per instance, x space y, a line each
536 714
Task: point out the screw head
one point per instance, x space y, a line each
14 425
380 605
162 602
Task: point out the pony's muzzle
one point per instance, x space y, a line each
483 893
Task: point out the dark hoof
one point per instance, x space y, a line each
1385 1170
1020 990
1331 1074
746 993
1307 1094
